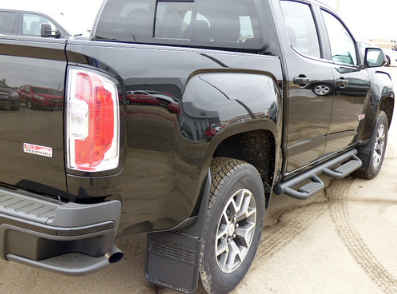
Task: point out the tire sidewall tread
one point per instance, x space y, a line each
228 176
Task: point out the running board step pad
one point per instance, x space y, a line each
172 261
346 164
307 190
345 169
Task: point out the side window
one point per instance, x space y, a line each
302 32
32 24
342 45
7 20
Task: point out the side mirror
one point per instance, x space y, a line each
46 31
374 57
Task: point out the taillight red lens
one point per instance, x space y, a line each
93 124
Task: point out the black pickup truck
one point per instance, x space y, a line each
180 119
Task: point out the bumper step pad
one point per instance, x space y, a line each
309 183
67 238
32 209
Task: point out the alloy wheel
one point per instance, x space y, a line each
379 147
235 231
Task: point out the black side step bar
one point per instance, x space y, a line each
345 164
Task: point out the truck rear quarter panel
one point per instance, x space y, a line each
180 103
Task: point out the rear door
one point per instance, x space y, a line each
31 139
310 86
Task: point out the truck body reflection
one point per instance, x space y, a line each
149 97
9 98
41 98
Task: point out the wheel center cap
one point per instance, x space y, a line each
231 229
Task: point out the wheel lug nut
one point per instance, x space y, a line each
234 236
237 225
229 239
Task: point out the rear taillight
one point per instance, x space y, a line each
92 122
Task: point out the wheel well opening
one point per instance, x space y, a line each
256 148
387 106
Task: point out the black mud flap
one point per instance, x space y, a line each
173 258
173 261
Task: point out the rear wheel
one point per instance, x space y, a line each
16 106
29 104
388 60
377 144
233 226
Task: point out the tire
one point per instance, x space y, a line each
234 224
388 60
377 144
29 104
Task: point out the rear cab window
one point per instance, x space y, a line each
221 24
7 22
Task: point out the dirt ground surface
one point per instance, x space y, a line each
343 240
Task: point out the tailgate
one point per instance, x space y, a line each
31 125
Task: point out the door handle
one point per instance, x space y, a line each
301 81
342 82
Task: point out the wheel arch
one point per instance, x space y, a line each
381 99
255 145
383 94
387 105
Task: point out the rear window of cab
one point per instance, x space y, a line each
7 22
222 23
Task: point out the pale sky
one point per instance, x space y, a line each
368 19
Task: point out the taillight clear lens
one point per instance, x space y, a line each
92 122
